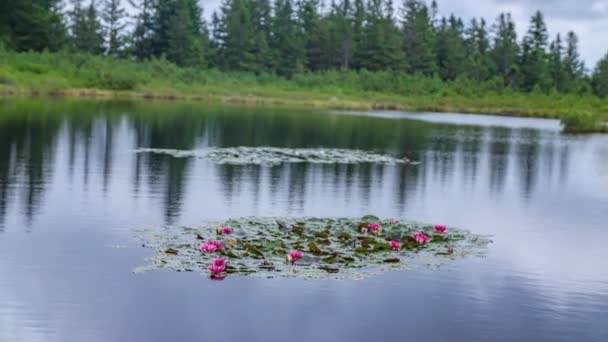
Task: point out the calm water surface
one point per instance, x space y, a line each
72 191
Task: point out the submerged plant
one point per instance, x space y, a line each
313 247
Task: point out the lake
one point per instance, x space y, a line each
72 193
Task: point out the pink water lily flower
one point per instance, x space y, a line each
421 238
211 246
450 250
395 245
218 266
294 256
394 222
374 227
224 230
441 229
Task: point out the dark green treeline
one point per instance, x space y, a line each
286 37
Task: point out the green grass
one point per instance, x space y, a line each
68 74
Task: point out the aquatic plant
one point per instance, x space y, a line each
210 246
306 247
277 155
294 256
441 229
421 238
224 230
395 245
218 266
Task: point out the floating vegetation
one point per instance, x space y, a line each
278 155
307 247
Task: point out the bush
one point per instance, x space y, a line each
582 122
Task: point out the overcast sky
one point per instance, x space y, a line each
588 18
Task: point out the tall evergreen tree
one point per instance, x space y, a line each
556 65
450 49
186 35
533 61
574 67
505 50
32 25
480 65
142 39
382 45
261 17
315 35
358 24
114 24
287 42
600 78
418 38
86 31
236 36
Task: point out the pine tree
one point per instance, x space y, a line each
114 24
287 42
574 67
186 35
358 23
142 38
505 49
556 65
313 33
534 61
418 38
480 65
262 24
86 31
382 49
235 36
163 12
451 52
32 25
600 78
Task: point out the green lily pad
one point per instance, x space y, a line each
332 248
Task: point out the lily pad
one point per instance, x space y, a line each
278 155
331 248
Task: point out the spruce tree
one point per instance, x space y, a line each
287 41
114 24
480 65
314 34
418 38
600 78
261 17
186 35
451 51
556 64
505 50
236 36
32 25
534 64
574 67
142 39
86 31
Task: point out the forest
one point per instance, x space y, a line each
395 49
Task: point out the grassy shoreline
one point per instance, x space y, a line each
74 76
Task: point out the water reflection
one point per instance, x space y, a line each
451 155
69 177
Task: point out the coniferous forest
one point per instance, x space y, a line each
284 39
